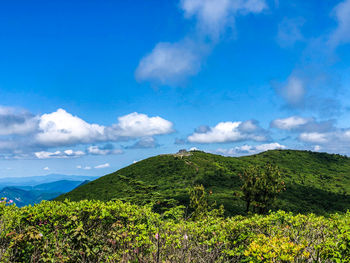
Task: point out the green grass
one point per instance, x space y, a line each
315 182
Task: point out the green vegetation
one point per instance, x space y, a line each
315 182
95 231
169 208
261 185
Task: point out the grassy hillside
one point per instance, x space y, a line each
315 182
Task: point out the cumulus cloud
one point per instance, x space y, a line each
14 121
341 34
62 128
172 63
249 149
139 125
289 31
315 134
59 154
230 132
34 135
105 165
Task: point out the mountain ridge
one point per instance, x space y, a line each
316 182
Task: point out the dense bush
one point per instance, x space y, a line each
96 231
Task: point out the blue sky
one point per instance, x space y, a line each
88 87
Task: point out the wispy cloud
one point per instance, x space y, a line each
341 34
293 91
172 63
104 150
301 124
289 31
59 154
144 143
101 166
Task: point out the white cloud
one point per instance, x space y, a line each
293 91
139 125
96 150
105 165
87 168
214 16
289 123
36 134
289 31
341 34
317 148
14 121
306 125
170 63
59 154
229 132
313 137
62 128
79 167
193 149
269 146
249 149
46 168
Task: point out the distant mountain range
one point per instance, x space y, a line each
35 180
31 190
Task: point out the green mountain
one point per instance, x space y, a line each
315 182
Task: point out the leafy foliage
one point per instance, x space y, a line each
261 185
95 231
315 182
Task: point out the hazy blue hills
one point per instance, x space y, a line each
24 197
32 193
35 180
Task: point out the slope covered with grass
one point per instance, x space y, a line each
315 182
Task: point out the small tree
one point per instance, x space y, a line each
199 204
261 185
198 201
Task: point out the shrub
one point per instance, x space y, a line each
96 231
